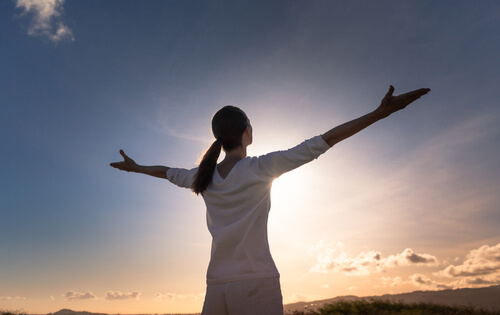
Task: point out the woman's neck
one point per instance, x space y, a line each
232 157
237 153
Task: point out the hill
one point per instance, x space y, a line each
487 298
71 312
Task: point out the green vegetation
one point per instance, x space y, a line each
379 307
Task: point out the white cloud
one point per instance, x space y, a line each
479 262
46 19
111 295
9 298
174 296
409 257
164 296
480 268
335 260
392 281
73 295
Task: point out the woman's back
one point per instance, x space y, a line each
238 206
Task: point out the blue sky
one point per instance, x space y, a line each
82 79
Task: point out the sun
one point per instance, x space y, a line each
289 198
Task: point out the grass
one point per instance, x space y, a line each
380 307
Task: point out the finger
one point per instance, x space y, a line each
418 92
124 155
415 95
389 93
120 165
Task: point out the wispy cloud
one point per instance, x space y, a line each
418 280
333 259
111 295
73 295
391 281
47 19
10 298
427 283
174 296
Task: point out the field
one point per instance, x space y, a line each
377 307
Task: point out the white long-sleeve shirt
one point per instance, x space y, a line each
238 207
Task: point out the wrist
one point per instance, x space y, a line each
136 168
380 113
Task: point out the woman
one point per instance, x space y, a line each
242 277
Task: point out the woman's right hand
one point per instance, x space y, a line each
127 164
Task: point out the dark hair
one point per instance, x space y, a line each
228 125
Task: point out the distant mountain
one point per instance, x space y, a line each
70 312
487 298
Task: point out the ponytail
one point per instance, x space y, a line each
206 169
228 124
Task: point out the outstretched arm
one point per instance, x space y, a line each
389 105
129 165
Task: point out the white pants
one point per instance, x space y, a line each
247 297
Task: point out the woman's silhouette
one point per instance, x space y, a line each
242 277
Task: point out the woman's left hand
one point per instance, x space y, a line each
391 103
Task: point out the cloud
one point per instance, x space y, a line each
46 19
409 257
480 268
174 296
73 295
479 262
9 298
392 281
334 260
111 295
164 297
427 283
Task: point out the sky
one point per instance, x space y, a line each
411 203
